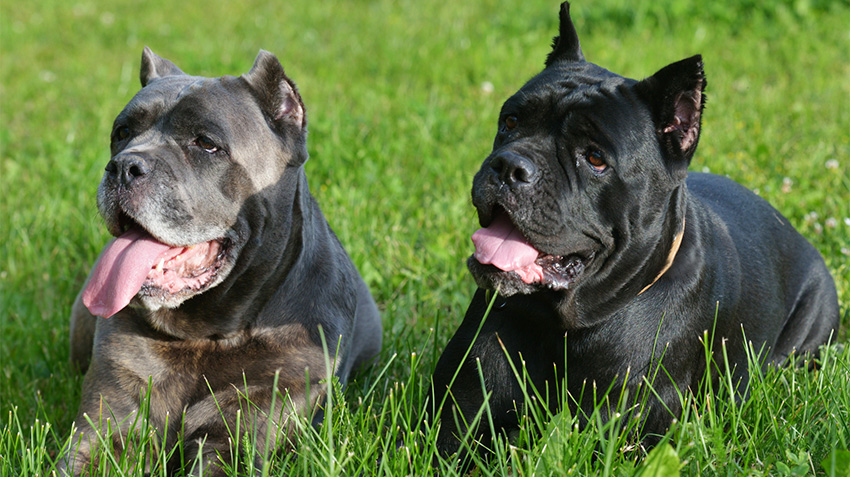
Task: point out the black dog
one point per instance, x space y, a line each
610 256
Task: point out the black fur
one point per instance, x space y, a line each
614 225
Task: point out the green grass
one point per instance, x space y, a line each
399 120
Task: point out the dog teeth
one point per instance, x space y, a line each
160 265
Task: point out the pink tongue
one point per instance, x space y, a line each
121 270
504 247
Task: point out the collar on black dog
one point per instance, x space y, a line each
674 249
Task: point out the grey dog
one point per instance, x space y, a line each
224 277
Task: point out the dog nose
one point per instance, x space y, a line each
513 169
127 168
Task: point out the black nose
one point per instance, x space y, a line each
127 168
514 170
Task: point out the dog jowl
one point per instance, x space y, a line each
224 277
611 261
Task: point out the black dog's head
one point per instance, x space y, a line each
188 156
586 165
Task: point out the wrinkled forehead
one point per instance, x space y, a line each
161 95
192 97
572 85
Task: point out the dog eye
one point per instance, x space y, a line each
206 144
511 122
121 133
596 160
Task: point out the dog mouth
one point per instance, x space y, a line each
190 268
502 250
136 263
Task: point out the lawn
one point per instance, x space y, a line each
402 99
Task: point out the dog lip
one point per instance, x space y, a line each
210 274
125 222
559 273
485 216
558 270
122 223
200 280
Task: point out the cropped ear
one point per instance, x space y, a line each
565 46
154 67
277 94
676 98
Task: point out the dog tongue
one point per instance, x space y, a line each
121 270
504 247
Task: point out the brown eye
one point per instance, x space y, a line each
596 161
122 133
510 122
206 144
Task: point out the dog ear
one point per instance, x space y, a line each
565 46
154 67
676 98
277 94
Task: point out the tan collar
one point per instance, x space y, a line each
674 249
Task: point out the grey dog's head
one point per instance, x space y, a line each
190 155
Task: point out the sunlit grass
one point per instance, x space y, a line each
402 99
